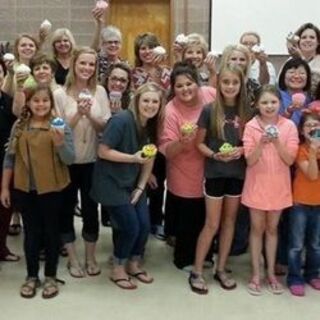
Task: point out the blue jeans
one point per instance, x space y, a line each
130 226
304 231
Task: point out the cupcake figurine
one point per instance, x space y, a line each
298 100
293 38
8 57
115 96
181 39
159 51
149 151
258 49
23 69
226 148
187 128
272 131
85 95
58 123
46 26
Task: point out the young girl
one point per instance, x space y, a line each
270 145
304 217
119 181
37 158
220 123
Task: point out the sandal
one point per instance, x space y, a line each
75 271
50 288
29 288
124 283
225 280
197 283
142 276
10 257
254 287
14 229
92 268
274 286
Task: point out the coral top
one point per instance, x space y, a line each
268 183
185 172
305 191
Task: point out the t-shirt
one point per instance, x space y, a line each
113 182
185 170
219 169
305 191
6 122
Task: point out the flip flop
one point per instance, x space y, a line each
10 257
117 282
92 269
142 276
197 279
226 282
75 272
14 229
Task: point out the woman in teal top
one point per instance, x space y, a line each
120 177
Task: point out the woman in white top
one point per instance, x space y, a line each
85 106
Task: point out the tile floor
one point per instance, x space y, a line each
168 298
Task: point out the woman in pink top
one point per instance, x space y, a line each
270 145
185 210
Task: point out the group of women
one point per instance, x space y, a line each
110 110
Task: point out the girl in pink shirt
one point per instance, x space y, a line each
185 208
270 145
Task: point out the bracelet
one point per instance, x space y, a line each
139 188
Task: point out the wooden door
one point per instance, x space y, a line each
133 17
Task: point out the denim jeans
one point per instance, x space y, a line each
130 226
304 231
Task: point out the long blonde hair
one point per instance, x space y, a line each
57 35
227 52
71 77
218 114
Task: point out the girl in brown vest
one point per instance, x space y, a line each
37 160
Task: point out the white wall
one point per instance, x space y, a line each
272 19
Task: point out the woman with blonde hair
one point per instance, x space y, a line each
85 106
120 178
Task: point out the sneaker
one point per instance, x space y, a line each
315 283
297 290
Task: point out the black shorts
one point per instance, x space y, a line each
221 187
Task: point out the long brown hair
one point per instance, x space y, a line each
26 115
217 114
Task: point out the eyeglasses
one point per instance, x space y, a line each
116 79
311 124
110 42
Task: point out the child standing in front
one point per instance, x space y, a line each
270 145
304 217
36 162
219 139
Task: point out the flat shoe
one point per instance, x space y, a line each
142 276
117 282
315 283
297 290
